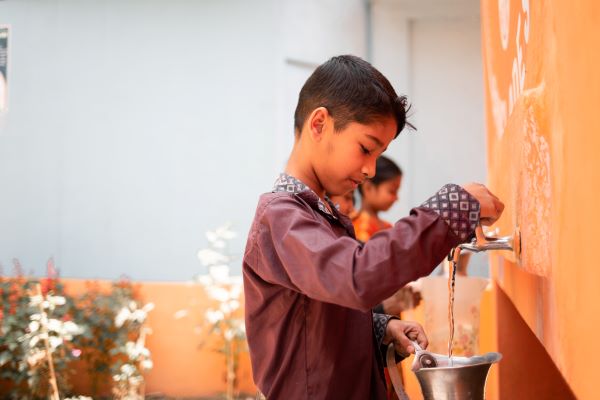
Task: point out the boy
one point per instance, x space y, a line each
309 285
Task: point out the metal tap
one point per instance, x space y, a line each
483 242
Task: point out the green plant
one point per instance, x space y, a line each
113 351
36 327
47 336
14 318
24 320
132 356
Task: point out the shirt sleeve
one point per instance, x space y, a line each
457 208
380 322
379 309
295 248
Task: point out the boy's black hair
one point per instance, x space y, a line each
385 169
352 90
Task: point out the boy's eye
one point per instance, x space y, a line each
365 150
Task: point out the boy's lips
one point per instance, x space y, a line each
355 182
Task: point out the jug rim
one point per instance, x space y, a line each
489 359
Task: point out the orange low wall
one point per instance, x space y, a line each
182 368
541 61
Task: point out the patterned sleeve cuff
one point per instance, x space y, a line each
457 208
380 322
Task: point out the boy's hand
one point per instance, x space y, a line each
401 333
490 206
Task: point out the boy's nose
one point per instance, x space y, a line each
368 169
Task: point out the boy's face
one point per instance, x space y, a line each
343 160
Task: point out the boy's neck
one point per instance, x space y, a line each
299 167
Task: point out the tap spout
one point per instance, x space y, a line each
481 242
501 243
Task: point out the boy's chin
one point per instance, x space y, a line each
340 190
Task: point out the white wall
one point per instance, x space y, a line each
447 107
134 126
438 54
312 32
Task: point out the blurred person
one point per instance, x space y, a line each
377 194
345 203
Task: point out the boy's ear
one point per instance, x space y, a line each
317 122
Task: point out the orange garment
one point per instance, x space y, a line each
366 225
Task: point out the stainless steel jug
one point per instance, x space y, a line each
462 378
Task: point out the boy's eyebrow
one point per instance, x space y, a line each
373 138
379 142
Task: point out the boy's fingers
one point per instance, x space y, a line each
403 344
408 332
404 351
422 340
491 206
493 213
499 205
487 221
403 340
418 335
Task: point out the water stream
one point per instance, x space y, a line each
451 284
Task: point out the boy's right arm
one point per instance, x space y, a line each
294 249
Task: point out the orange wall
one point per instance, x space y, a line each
181 366
542 84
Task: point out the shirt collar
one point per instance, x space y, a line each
288 183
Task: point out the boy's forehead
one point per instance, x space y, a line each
379 139
380 133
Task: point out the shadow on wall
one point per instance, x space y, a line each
526 370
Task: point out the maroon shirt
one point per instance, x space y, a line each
310 286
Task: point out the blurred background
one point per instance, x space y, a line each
132 127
